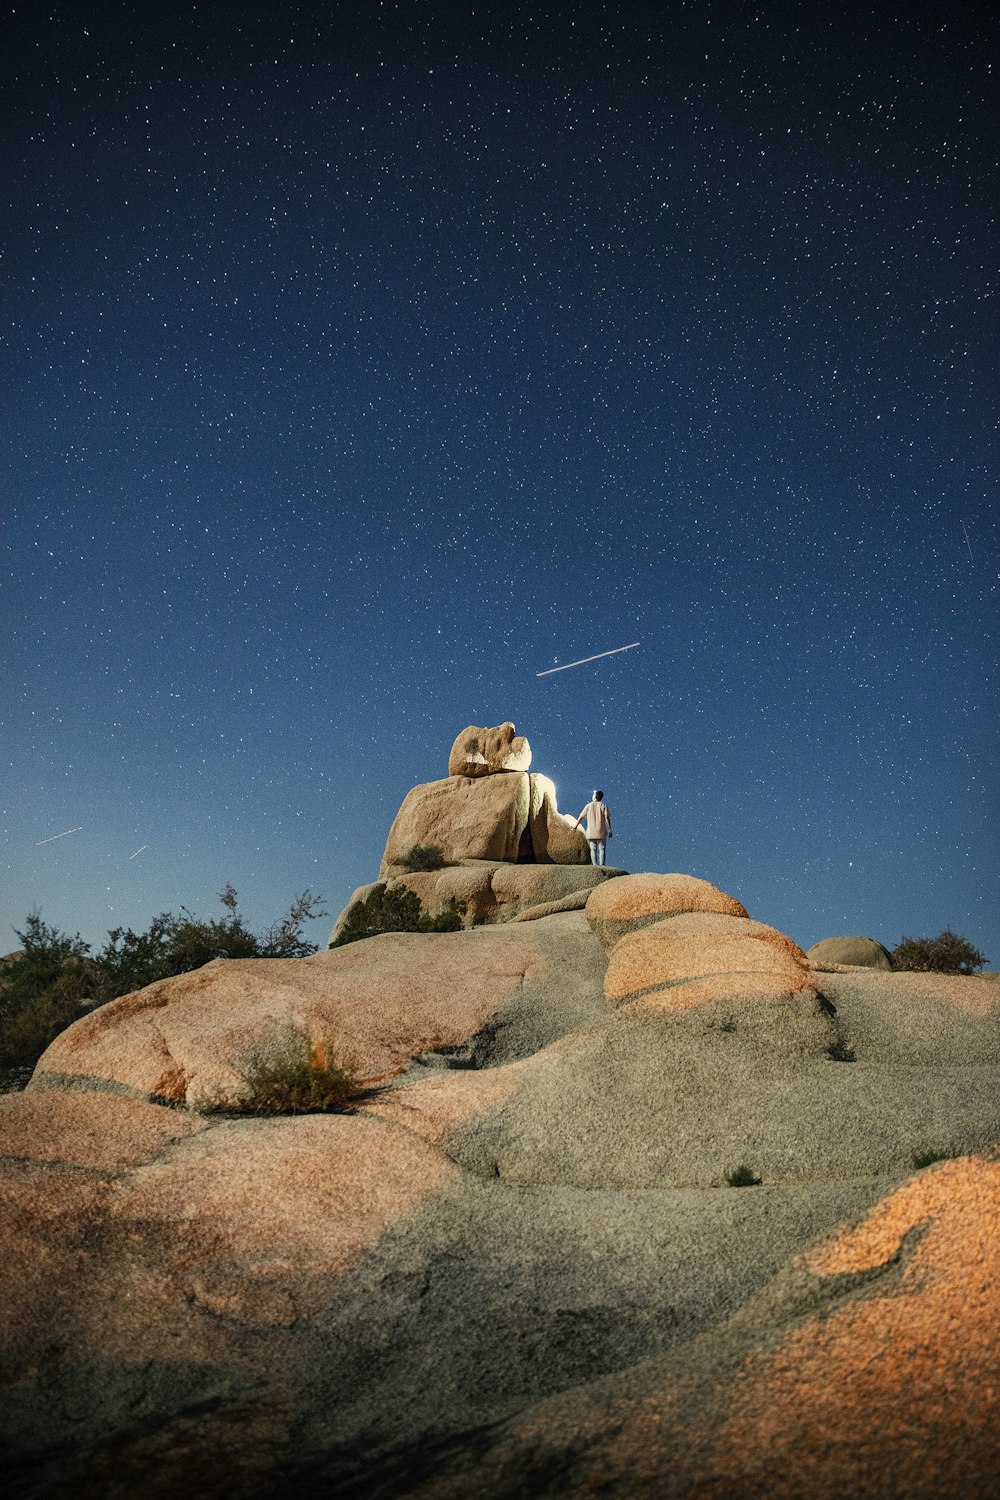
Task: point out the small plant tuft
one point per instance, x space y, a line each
423 857
743 1177
839 1051
923 1159
289 1074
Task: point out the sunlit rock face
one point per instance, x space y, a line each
484 752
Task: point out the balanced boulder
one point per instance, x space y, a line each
483 752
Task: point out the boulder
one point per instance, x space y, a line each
637 900
483 752
464 817
696 946
857 952
383 1001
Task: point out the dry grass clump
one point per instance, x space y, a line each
288 1073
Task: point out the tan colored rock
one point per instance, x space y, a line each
554 840
483 752
857 952
382 1002
637 900
697 945
464 817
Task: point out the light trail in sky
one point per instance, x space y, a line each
967 542
614 652
139 851
55 836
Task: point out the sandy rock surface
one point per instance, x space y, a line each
868 1367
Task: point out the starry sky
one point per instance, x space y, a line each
363 361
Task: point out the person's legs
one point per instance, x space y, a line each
594 847
602 850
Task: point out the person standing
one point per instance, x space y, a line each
598 827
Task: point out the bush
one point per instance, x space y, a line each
423 857
287 1074
176 945
743 1177
398 910
945 954
43 987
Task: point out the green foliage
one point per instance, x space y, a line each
923 1159
447 920
43 987
176 945
381 910
743 1177
945 954
287 1073
51 981
396 910
423 857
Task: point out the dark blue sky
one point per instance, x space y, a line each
362 361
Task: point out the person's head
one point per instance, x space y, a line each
598 796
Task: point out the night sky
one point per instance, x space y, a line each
363 361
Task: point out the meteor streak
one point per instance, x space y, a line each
967 542
583 659
138 851
54 836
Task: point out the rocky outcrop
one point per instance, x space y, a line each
521 1264
484 752
489 807
856 952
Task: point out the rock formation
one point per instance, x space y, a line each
524 1263
489 806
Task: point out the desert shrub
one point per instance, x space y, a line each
288 1074
43 987
839 1051
398 910
448 920
423 857
176 945
948 953
742 1177
381 910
